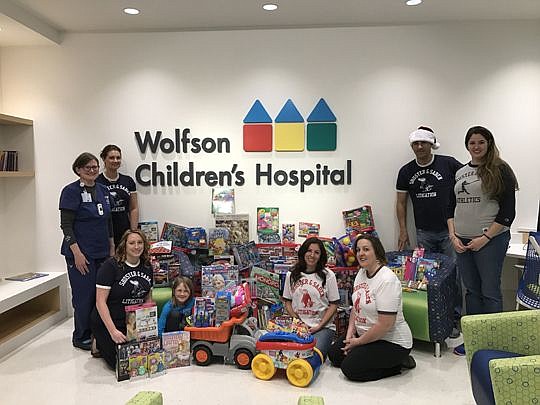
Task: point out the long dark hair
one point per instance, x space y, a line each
301 266
491 167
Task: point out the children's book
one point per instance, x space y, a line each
246 255
359 219
176 349
223 200
266 284
26 276
141 321
156 364
174 233
150 230
218 241
307 229
123 353
287 233
268 225
149 346
138 366
220 277
238 226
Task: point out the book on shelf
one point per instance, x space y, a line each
26 276
9 160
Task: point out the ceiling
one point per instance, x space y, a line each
40 22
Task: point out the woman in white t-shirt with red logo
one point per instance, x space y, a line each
378 339
311 293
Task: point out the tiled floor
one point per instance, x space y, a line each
50 371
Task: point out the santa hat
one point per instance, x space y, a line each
422 135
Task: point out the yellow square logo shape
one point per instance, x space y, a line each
289 137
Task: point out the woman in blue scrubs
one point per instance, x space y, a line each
85 219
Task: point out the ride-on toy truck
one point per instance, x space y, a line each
233 339
298 355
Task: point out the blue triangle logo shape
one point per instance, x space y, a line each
321 113
289 113
257 114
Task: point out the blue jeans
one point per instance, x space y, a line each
481 274
439 242
324 338
435 242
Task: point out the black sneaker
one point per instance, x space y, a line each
409 363
84 345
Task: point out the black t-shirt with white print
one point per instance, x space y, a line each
127 285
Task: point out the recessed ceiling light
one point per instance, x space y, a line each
270 7
413 2
131 11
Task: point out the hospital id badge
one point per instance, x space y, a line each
86 196
100 208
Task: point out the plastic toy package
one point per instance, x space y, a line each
288 324
359 219
344 254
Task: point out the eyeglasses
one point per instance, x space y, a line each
91 168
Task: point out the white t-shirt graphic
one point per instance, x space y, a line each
310 299
381 293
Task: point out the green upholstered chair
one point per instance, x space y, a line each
146 398
430 313
515 380
160 296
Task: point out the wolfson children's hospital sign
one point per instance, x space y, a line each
286 134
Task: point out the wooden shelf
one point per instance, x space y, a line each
17 174
11 120
28 308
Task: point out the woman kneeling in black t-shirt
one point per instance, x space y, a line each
125 279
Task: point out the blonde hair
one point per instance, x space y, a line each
120 255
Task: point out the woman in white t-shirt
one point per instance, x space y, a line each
378 339
311 293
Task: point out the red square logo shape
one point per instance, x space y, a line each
258 137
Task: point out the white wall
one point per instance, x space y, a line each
381 82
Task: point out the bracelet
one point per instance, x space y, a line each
484 234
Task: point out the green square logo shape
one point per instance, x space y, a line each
321 136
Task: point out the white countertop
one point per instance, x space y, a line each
13 293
